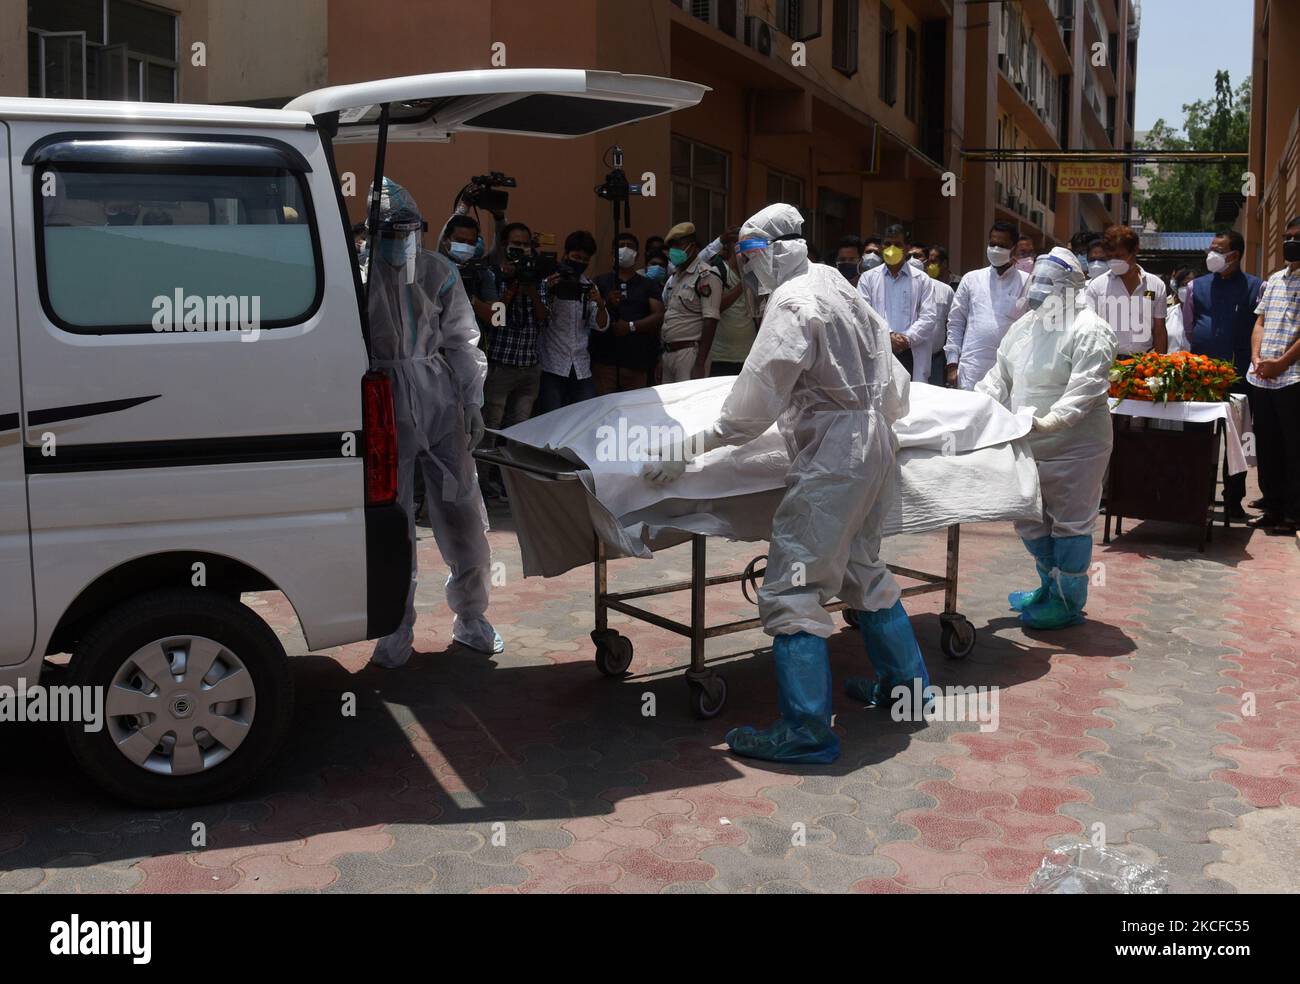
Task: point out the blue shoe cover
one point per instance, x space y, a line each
894 654
803 683
1040 548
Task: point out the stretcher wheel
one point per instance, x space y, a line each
850 617
613 654
956 636
708 698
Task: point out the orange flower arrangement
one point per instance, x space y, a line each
1176 377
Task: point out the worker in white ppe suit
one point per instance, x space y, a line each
822 368
1056 359
423 336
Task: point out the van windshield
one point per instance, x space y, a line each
118 244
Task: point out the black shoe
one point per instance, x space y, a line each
1284 527
1269 521
1233 510
1259 503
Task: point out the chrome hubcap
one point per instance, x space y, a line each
180 705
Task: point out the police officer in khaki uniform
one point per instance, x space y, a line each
693 304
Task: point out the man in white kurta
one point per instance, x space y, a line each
903 295
986 304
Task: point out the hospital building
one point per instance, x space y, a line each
860 112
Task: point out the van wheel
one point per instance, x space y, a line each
197 698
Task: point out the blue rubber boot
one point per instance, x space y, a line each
803 735
1064 605
1040 548
894 654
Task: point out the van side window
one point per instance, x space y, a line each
130 249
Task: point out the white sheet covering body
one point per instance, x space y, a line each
961 459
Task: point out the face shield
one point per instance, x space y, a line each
770 248
401 228
1053 275
754 258
399 241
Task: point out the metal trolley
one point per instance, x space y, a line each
708 688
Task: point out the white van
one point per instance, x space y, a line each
185 408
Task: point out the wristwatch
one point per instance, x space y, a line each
631 326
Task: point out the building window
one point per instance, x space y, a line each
800 20
888 56
837 216
910 81
784 188
101 49
844 37
701 178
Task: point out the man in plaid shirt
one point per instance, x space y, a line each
514 373
1274 379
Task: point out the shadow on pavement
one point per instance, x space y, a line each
456 738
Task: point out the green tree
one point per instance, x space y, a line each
1183 197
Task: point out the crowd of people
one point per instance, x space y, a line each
827 352
676 309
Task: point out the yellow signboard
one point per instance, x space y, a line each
1101 179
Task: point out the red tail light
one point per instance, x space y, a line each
380 423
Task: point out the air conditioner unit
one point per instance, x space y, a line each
758 35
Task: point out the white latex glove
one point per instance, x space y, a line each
661 471
668 463
473 425
1049 423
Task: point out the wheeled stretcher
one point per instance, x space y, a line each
577 498
529 479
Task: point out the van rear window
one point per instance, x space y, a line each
127 249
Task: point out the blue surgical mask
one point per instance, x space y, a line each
392 251
461 252
656 272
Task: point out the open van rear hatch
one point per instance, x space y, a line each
539 102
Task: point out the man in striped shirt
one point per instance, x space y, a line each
1274 379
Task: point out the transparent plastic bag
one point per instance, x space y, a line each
1082 869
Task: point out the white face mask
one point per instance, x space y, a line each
1182 293
917 263
1215 262
1118 267
998 255
1096 268
626 257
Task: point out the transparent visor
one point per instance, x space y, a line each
1050 273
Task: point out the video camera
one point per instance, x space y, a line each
529 267
617 188
482 191
618 191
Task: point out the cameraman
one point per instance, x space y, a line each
624 357
513 375
462 243
574 309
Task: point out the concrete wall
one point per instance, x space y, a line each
265 51
1274 126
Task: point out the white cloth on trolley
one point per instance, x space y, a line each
961 460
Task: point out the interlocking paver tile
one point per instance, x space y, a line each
1168 723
